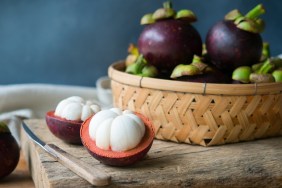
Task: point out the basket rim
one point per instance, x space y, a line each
115 73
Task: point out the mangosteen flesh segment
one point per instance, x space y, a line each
168 43
229 47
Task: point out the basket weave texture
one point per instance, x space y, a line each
198 113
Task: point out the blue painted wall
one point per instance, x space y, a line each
74 41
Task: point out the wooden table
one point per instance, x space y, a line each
249 164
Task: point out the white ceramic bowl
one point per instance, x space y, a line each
104 91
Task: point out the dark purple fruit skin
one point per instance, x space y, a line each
211 77
168 43
229 47
237 82
68 131
9 154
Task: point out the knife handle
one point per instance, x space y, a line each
92 175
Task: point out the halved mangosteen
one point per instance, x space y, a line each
66 130
66 120
119 158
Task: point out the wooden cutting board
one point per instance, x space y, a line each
249 164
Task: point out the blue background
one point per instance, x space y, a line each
73 42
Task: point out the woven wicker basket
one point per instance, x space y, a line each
199 113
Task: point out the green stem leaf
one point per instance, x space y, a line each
255 12
256 67
184 70
147 19
187 15
266 50
242 74
277 74
233 15
136 68
249 25
267 67
167 4
197 62
149 71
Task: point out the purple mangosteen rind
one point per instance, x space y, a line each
229 47
9 154
236 40
168 38
66 130
211 77
119 162
200 70
168 43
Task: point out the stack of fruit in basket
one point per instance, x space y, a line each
169 47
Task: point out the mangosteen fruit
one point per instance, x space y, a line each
262 72
216 76
168 38
66 130
66 120
236 40
242 74
9 151
199 71
277 74
142 68
117 138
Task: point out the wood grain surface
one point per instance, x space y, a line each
247 164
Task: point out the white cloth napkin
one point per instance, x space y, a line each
21 101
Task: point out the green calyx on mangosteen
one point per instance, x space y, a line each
9 151
199 71
167 12
236 40
277 74
250 22
242 74
142 68
268 70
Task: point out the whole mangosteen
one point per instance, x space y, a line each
199 71
236 40
9 151
168 38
